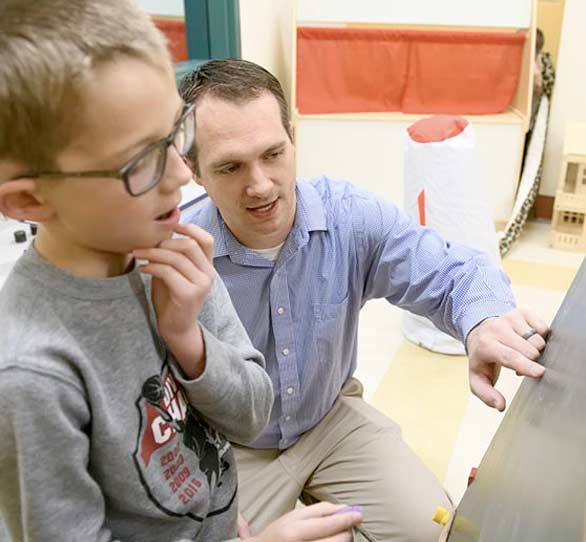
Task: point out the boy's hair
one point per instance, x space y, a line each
48 52
235 81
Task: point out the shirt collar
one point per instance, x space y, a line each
310 216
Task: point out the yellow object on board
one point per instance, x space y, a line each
441 516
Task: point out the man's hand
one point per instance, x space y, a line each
183 275
315 523
514 340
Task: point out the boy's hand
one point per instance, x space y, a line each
315 523
243 527
499 342
183 275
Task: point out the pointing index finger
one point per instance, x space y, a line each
200 236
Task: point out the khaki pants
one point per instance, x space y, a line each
354 456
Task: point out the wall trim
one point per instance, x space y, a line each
213 29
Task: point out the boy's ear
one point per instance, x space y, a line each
21 200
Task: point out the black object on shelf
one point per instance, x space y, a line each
33 229
20 236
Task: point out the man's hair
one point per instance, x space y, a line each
235 81
49 50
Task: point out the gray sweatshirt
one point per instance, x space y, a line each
101 437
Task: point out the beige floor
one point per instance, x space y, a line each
428 393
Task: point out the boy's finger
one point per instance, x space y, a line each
319 510
176 260
185 255
175 282
243 527
328 526
346 536
202 237
346 509
192 250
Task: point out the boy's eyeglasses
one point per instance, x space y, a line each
145 170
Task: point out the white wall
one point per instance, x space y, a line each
513 14
266 32
266 38
163 7
569 99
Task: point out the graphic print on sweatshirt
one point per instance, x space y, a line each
183 463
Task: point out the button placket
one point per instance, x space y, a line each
283 330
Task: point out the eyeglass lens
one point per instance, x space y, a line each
147 171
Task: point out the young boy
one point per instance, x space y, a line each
108 431
119 383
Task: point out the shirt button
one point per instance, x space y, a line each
285 351
290 391
281 310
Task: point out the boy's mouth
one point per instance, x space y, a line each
165 216
170 217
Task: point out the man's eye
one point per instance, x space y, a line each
274 155
227 170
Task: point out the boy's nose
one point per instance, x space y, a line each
177 172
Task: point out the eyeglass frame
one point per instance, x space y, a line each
123 172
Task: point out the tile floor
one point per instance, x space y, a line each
427 393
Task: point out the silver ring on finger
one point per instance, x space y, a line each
528 334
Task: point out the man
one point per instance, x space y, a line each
299 260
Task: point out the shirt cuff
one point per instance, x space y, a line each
213 383
475 316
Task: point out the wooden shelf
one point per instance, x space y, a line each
517 113
511 116
367 148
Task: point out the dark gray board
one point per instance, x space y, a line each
531 484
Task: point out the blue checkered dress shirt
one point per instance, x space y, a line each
347 246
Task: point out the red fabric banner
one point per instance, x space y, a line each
174 30
348 70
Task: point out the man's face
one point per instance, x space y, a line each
130 105
247 165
